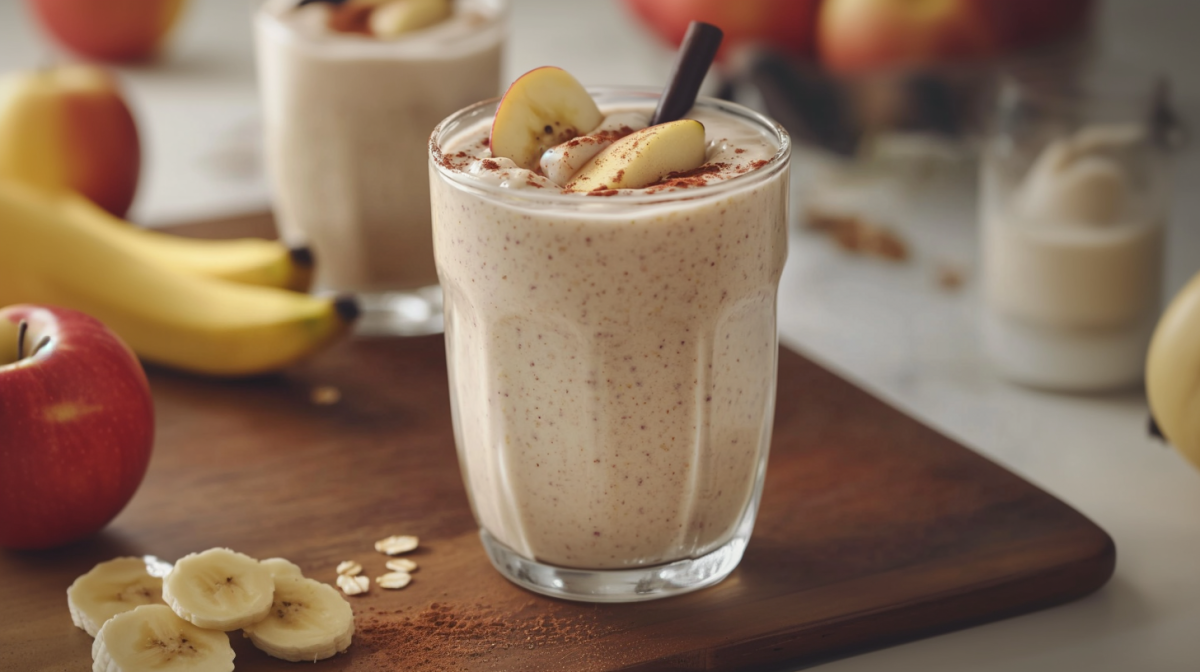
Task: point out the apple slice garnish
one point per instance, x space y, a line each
395 18
542 108
643 158
351 17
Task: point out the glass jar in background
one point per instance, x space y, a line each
1073 207
347 119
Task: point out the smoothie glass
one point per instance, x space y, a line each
612 367
346 121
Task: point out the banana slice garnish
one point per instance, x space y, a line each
143 623
219 589
280 567
308 621
151 638
111 588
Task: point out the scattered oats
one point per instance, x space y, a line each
402 565
395 545
823 222
887 244
857 235
950 276
353 585
349 568
394 580
326 395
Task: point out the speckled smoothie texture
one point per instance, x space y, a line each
347 118
613 363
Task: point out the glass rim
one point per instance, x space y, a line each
461 180
416 45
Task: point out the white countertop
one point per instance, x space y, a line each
887 326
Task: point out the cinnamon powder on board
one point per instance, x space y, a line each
443 636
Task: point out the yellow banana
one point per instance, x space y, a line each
1173 372
168 316
251 261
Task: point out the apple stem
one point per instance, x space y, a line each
45 340
21 329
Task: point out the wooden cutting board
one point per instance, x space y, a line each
874 529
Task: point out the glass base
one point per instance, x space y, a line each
1068 360
409 313
616 585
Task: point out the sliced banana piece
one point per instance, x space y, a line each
308 621
281 567
219 589
111 588
151 638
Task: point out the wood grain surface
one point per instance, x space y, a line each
874 529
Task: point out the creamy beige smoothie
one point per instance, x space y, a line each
612 354
347 118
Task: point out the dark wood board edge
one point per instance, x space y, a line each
946 612
1085 572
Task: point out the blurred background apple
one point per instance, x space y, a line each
109 30
857 35
863 35
1031 23
786 25
860 35
69 127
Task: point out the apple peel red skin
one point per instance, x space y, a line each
104 166
120 31
788 25
860 36
76 428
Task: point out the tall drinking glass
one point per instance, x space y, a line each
347 118
612 365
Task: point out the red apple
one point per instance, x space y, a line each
785 24
859 35
76 426
68 127
109 30
1034 22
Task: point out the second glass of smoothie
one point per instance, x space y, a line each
612 356
347 116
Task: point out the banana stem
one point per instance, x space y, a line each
21 329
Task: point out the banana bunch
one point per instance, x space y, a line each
248 261
283 613
219 308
